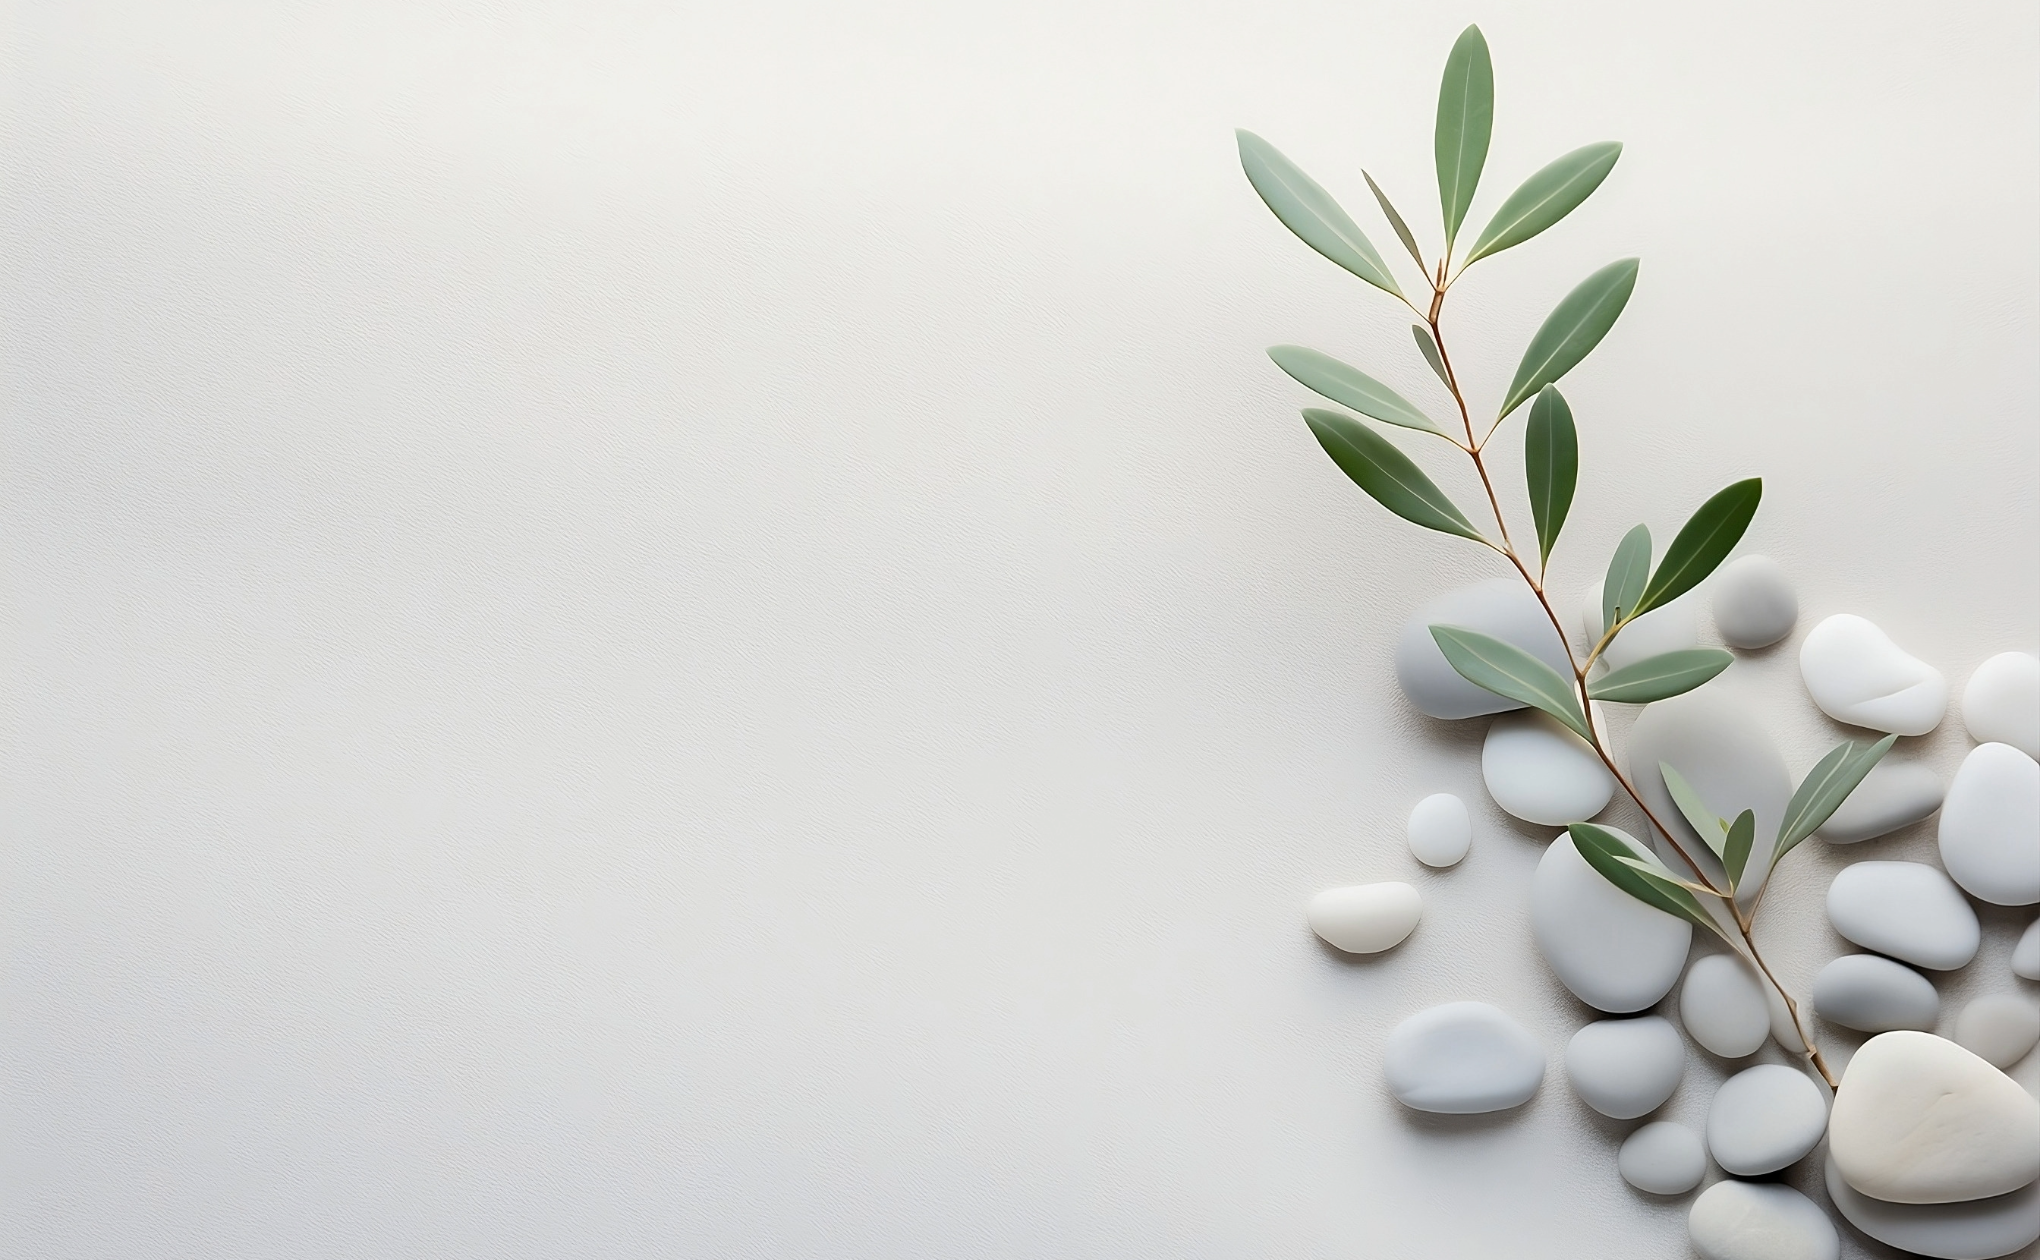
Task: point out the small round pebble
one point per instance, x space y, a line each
1365 918
1754 605
1764 1118
1990 826
2026 954
1624 1068
1874 995
1440 830
2000 1029
1722 1006
1977 1230
1738 1220
1663 1157
1905 909
2001 704
1462 1058
1856 674
1894 794
1541 772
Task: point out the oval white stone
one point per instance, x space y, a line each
1722 1006
2000 1029
1725 753
1365 918
1907 910
1764 1118
1918 1119
1440 830
1541 772
1665 629
1623 1068
1978 1230
1990 826
1872 994
1738 1220
1615 953
1502 607
2001 704
1894 794
2026 954
1663 1157
1754 604
1856 674
1461 1059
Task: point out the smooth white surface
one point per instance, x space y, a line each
1736 1220
1763 1118
1462 1058
645 631
1908 910
1540 772
1990 826
1662 1157
1978 1230
1365 918
1755 604
1894 794
1722 1006
1440 830
2001 702
1856 673
1919 1119
2000 1029
1873 994
1625 1067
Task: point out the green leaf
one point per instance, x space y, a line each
1703 543
1377 466
1402 230
1824 789
1605 851
1323 374
1711 827
1661 677
1627 573
1512 673
1551 462
1545 198
1466 119
1309 211
1429 346
1572 330
1735 853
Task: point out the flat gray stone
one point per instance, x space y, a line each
1981 1229
1502 607
1905 909
1663 1157
1856 674
1738 1220
1624 1068
1728 757
1918 1119
1874 995
1894 794
1754 604
1990 826
1462 1058
2001 703
1722 1006
1541 772
2000 1029
1764 1118
1615 953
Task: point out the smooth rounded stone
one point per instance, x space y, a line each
1739 1220
1907 910
1990 826
1615 953
1784 1029
1754 604
1624 1068
1722 1006
1462 1058
1502 607
2000 1029
1894 794
1541 772
1725 753
2026 954
1872 994
1663 1157
2001 703
1856 674
1981 1229
1764 1118
1667 629
1918 1119
1365 918
1440 830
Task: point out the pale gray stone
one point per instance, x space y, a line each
1874 995
1624 1068
1440 830
1894 794
1981 1229
1502 607
1541 772
1739 1220
2001 704
1663 1157
1365 918
1907 910
1728 757
1990 826
1764 1118
1856 674
2026 954
2000 1029
1754 604
1722 1006
1918 1119
1462 1058
1614 952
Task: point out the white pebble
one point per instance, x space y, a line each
1722 1006
2001 704
1764 1118
1541 772
1738 1220
1874 995
1990 826
1754 605
2000 1029
1720 748
1615 953
2026 954
1623 1068
1977 1230
1440 830
1502 607
1907 910
1663 1157
1670 628
1462 1058
1894 794
1365 918
1856 674
1918 1119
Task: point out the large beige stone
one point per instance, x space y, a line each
1918 1119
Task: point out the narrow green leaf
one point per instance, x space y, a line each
1546 197
1309 211
1323 374
1627 573
1551 462
1604 850
1429 345
1377 466
1703 543
1735 853
1402 230
1510 672
1661 677
1466 120
1574 327
1824 789
1711 827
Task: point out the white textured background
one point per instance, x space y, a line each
647 630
